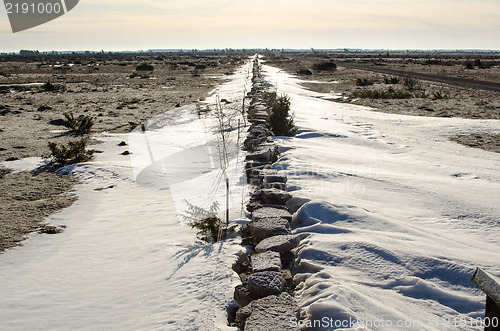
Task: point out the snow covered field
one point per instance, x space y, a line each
399 219
125 260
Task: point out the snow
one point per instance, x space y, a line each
125 261
400 216
399 219
26 164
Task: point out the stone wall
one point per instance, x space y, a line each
265 296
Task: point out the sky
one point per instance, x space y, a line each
114 25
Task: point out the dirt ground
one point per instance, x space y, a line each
106 87
425 99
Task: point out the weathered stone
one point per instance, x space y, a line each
242 295
273 313
295 203
281 244
270 212
264 283
287 276
278 186
255 164
259 121
266 153
275 179
267 261
274 196
268 227
268 172
241 316
261 155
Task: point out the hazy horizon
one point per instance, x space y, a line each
360 24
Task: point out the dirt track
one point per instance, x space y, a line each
455 81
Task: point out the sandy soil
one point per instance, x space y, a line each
27 199
106 87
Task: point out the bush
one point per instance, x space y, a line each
281 123
144 67
410 83
363 82
74 152
391 80
438 95
82 124
49 87
325 66
304 72
209 225
390 93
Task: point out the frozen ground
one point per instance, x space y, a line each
400 216
125 260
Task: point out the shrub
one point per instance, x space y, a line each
209 225
49 87
144 67
363 82
438 95
304 72
410 83
281 123
469 65
82 124
325 66
4 171
390 93
74 152
391 80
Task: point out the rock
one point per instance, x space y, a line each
295 203
126 153
271 212
241 316
58 122
274 196
275 179
280 243
265 155
267 261
242 295
287 276
268 227
288 261
278 186
264 283
256 164
44 108
275 312
259 121
123 143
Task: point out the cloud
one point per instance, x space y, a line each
329 23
